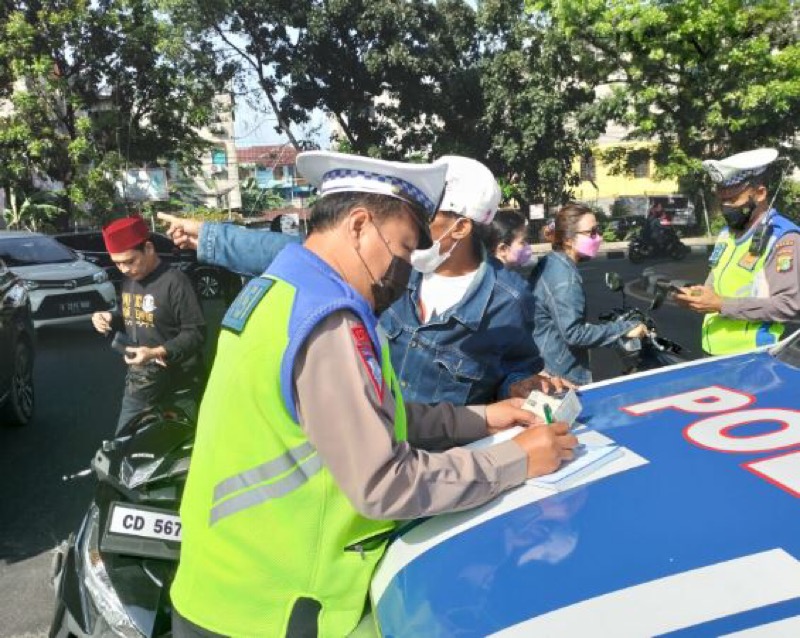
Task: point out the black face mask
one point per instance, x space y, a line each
394 281
392 285
738 216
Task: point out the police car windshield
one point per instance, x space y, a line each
32 250
789 351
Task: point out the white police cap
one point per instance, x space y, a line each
737 168
471 189
418 184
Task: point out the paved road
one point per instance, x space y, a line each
78 386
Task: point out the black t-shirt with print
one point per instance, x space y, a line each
162 310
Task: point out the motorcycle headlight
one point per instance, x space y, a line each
30 284
100 277
99 584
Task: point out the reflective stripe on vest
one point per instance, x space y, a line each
261 493
264 523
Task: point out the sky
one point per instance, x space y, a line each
255 125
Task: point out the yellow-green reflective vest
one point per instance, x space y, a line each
265 526
738 274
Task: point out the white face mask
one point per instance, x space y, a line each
428 260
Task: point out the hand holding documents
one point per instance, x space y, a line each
565 410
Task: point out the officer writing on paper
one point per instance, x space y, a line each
753 287
306 453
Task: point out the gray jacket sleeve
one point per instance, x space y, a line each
347 412
442 426
780 300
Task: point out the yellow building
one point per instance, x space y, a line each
600 188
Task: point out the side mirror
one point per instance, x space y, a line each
613 281
658 297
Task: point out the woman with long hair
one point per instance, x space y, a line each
561 331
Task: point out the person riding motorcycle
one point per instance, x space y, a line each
658 230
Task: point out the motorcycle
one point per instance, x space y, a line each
112 578
640 248
652 351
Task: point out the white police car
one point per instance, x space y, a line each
692 529
62 287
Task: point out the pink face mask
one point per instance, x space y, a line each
587 246
521 255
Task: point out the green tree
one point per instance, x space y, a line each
33 213
394 76
100 86
701 78
541 111
256 200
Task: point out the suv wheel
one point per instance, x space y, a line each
18 409
208 285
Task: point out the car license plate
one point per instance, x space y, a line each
145 523
75 307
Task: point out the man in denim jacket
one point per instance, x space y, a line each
463 332
478 349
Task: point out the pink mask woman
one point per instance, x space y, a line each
520 255
587 245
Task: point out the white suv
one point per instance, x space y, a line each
62 286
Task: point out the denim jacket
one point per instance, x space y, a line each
247 252
561 332
474 351
472 354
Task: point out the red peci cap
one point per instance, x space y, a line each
124 234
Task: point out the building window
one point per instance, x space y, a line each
588 168
642 168
219 157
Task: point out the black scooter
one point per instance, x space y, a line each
652 351
640 249
112 577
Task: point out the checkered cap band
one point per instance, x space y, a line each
737 178
342 180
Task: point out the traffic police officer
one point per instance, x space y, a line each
753 287
306 453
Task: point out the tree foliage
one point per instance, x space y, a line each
387 73
95 86
702 78
541 109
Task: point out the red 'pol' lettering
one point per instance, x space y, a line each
717 432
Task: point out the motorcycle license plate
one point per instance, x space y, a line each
140 522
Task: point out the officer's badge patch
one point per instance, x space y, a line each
245 303
748 261
368 358
784 262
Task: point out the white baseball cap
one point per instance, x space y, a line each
471 189
737 168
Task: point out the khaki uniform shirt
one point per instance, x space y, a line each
348 415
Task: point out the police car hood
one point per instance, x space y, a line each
694 530
57 271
